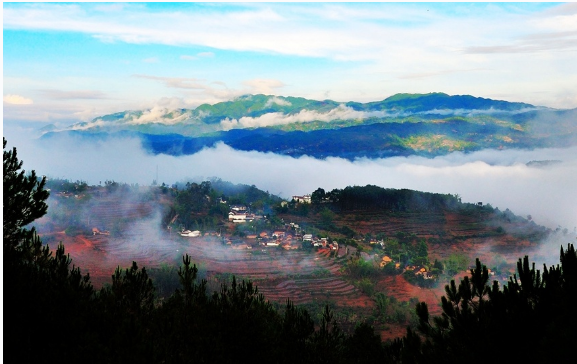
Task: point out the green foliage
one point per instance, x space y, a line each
419 279
438 266
220 210
192 199
359 268
367 286
498 263
391 270
165 280
390 310
111 186
24 197
537 307
243 194
377 198
364 346
327 216
131 292
302 209
64 185
455 263
318 196
327 342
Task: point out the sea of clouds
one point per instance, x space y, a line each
500 178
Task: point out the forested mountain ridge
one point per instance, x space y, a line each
403 124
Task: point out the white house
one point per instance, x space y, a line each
189 233
240 217
278 234
302 199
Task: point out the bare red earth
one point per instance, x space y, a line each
301 276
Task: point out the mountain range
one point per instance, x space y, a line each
401 125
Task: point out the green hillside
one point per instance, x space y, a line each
403 124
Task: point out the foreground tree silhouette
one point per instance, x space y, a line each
24 200
532 318
45 299
55 312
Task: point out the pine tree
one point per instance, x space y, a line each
24 197
45 298
533 314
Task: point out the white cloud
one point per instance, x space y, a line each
321 30
17 100
87 114
341 112
263 86
158 115
87 125
278 101
172 103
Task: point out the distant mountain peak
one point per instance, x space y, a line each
289 114
404 124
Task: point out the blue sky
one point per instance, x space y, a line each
69 62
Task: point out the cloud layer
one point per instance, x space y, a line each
500 178
342 112
17 100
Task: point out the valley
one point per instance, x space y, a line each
113 229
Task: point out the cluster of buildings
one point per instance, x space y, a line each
284 239
240 214
69 194
290 238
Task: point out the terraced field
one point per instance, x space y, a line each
300 275
475 233
375 222
105 212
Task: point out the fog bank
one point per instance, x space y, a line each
500 178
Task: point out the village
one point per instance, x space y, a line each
289 238
247 231
287 252
292 237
